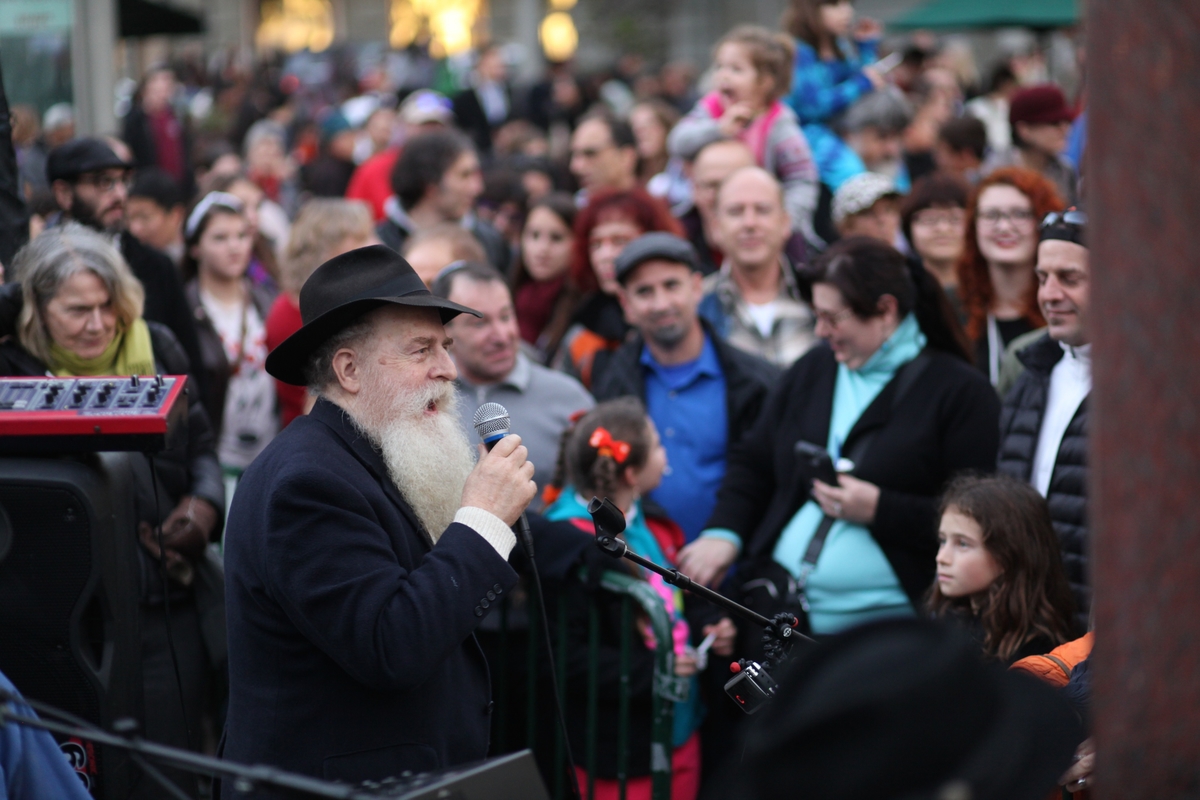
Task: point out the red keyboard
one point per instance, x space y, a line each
69 415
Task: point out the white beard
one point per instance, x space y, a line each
428 457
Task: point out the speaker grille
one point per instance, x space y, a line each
42 580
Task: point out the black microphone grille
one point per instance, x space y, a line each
491 420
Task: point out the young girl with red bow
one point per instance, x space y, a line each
614 451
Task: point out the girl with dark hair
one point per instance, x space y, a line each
932 217
614 452
269 227
999 568
891 398
830 74
996 283
542 296
610 220
230 312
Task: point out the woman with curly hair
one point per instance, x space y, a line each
610 220
996 283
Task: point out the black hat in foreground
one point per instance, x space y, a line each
340 292
651 246
89 154
905 709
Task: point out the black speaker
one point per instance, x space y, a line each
69 632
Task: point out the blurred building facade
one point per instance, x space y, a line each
79 50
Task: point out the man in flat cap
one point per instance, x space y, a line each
701 392
365 544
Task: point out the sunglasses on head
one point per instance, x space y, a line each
1070 225
1072 216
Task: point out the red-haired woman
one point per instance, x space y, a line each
603 227
996 283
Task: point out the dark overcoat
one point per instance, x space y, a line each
352 653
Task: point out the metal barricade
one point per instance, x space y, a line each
524 716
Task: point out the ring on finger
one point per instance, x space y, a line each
837 509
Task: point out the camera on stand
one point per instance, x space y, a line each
752 686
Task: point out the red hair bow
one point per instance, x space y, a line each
606 445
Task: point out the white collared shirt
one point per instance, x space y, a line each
1070 384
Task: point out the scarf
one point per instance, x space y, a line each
756 133
129 353
534 303
853 392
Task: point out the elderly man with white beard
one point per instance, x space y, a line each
365 544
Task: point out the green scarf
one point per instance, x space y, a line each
129 353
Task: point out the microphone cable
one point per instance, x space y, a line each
562 720
492 424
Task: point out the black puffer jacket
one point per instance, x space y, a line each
1020 423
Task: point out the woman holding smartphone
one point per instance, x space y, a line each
892 390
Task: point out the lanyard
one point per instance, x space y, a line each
995 348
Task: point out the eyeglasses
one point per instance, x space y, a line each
1019 217
833 318
1072 216
105 182
931 218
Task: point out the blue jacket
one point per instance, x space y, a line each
32 765
352 653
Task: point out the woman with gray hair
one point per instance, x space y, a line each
79 313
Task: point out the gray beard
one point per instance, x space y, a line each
427 458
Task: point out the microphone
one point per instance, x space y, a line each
492 424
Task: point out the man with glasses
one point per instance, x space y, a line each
91 186
603 155
1043 424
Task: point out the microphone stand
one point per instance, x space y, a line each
751 686
610 521
245 778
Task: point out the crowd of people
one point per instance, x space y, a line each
670 285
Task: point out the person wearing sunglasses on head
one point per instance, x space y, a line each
1043 424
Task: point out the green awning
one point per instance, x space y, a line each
942 14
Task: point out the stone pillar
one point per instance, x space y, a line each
92 66
1143 191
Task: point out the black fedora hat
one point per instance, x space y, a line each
905 709
340 292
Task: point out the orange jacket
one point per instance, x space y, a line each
1055 667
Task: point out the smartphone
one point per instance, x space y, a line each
888 63
818 458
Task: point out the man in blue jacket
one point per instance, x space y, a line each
364 545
